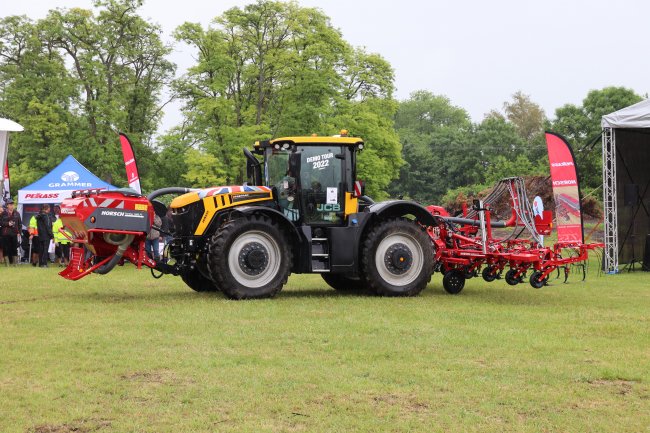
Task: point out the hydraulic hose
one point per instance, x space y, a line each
169 190
107 267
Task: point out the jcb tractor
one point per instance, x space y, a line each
302 211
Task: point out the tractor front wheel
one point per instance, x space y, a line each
250 258
397 258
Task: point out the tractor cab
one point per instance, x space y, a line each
312 178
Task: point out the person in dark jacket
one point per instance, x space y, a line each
45 235
11 225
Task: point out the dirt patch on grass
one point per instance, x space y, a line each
155 377
409 403
81 426
619 386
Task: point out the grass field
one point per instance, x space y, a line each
127 353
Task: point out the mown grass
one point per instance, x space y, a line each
127 353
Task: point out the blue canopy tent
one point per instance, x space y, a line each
57 185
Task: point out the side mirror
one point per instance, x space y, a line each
253 168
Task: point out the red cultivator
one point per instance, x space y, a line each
465 247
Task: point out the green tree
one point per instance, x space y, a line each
581 126
77 77
37 91
274 69
526 116
437 147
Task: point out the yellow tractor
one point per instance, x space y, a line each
302 211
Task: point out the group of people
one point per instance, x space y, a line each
43 231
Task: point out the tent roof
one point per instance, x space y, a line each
59 183
9 125
634 116
69 174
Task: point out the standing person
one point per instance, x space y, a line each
166 230
152 244
3 211
33 240
61 242
11 224
45 235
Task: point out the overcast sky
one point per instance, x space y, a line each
477 53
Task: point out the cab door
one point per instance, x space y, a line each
321 184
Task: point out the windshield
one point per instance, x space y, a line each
277 166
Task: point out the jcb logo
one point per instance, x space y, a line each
328 207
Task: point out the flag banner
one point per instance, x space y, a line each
4 138
130 164
566 189
6 190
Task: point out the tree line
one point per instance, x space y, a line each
76 77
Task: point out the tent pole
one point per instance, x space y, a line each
609 200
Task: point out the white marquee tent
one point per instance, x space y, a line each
626 182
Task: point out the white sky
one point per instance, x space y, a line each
477 53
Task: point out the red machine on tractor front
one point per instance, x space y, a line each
113 225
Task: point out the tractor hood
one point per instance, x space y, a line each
194 211
236 194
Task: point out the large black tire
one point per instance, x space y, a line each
250 258
397 258
198 282
343 283
454 281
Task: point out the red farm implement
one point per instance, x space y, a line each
467 247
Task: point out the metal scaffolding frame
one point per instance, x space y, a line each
609 199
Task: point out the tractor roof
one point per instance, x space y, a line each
315 140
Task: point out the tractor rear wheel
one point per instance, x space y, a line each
397 258
250 258
198 282
343 283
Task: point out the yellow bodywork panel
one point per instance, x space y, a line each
219 198
351 204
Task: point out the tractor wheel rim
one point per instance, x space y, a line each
399 245
254 259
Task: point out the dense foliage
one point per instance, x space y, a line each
269 69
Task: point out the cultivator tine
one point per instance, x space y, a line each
566 273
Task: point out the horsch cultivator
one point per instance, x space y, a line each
467 247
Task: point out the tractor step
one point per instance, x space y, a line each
320 255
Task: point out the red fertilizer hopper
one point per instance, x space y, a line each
112 225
